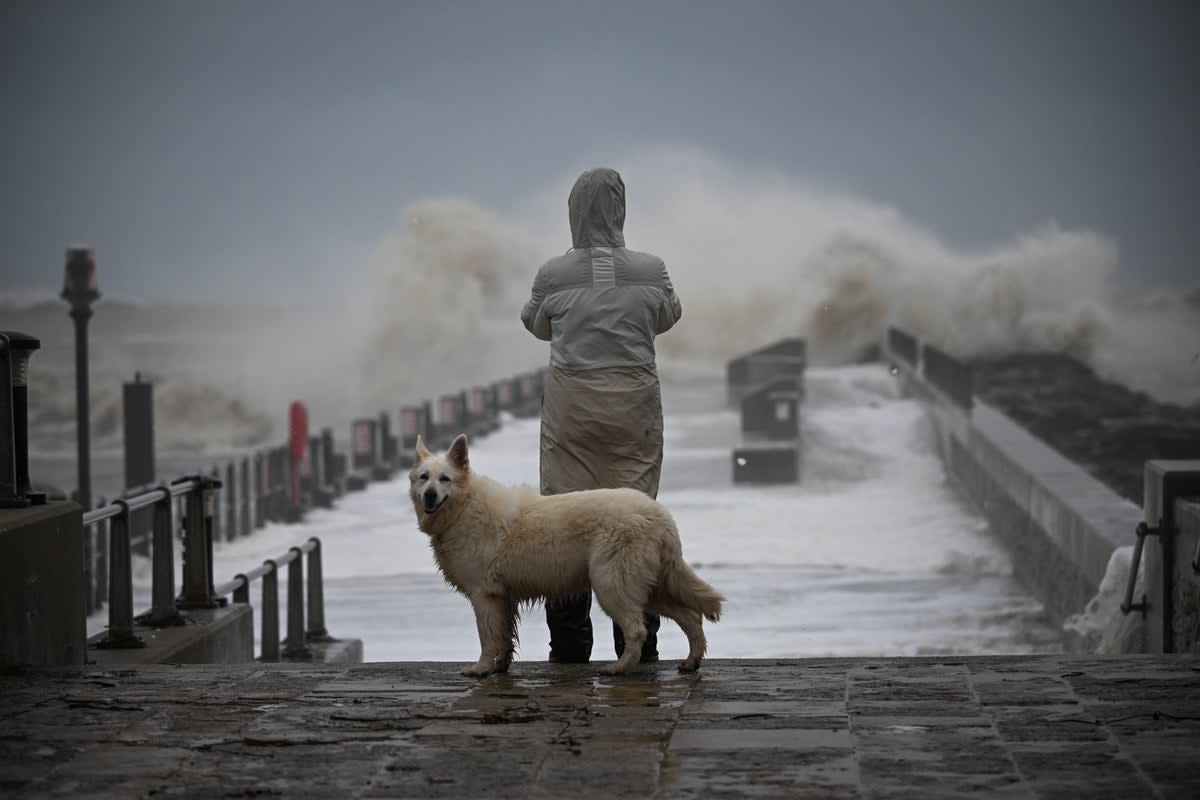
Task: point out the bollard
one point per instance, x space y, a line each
137 405
231 498
244 495
259 466
295 644
297 455
329 474
387 443
214 515
363 454
505 396
450 420
270 611
427 430
120 635
410 426
316 595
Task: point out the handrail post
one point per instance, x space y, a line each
296 646
316 595
91 602
270 612
120 634
102 539
163 612
241 593
198 547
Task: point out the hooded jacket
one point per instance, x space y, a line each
600 306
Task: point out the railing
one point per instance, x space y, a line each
198 496
258 489
296 644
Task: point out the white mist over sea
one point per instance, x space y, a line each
754 255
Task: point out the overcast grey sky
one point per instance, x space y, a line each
186 141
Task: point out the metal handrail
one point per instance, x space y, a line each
198 590
197 557
298 634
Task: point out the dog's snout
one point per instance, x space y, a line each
430 496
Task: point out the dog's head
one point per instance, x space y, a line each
435 481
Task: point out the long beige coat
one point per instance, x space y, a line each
600 306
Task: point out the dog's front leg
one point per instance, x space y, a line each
489 619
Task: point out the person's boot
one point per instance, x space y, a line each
649 647
570 622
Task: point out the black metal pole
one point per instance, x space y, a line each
82 423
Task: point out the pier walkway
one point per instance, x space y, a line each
1020 726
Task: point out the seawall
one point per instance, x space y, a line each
1060 524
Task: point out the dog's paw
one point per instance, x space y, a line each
689 665
614 668
477 671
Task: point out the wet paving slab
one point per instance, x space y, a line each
1020 726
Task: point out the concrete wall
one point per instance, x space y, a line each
1186 619
42 617
1060 524
213 636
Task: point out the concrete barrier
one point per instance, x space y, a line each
1171 557
41 585
1186 621
1060 524
223 635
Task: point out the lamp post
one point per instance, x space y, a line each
79 289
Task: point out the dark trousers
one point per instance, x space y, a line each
570 623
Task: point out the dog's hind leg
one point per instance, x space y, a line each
618 602
693 627
494 622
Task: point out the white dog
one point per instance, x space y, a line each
501 546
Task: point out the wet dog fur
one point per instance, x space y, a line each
503 546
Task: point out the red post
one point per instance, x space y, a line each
298 419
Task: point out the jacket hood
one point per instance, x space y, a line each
597 209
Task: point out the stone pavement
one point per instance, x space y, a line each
1022 726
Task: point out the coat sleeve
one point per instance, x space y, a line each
670 309
534 315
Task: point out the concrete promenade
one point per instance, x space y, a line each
1020 726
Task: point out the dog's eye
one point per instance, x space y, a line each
424 476
444 479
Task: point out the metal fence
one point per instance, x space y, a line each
197 498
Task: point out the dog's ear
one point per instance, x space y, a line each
457 454
422 451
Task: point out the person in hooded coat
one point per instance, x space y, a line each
600 306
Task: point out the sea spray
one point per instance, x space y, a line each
754 255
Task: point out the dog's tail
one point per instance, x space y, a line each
686 587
